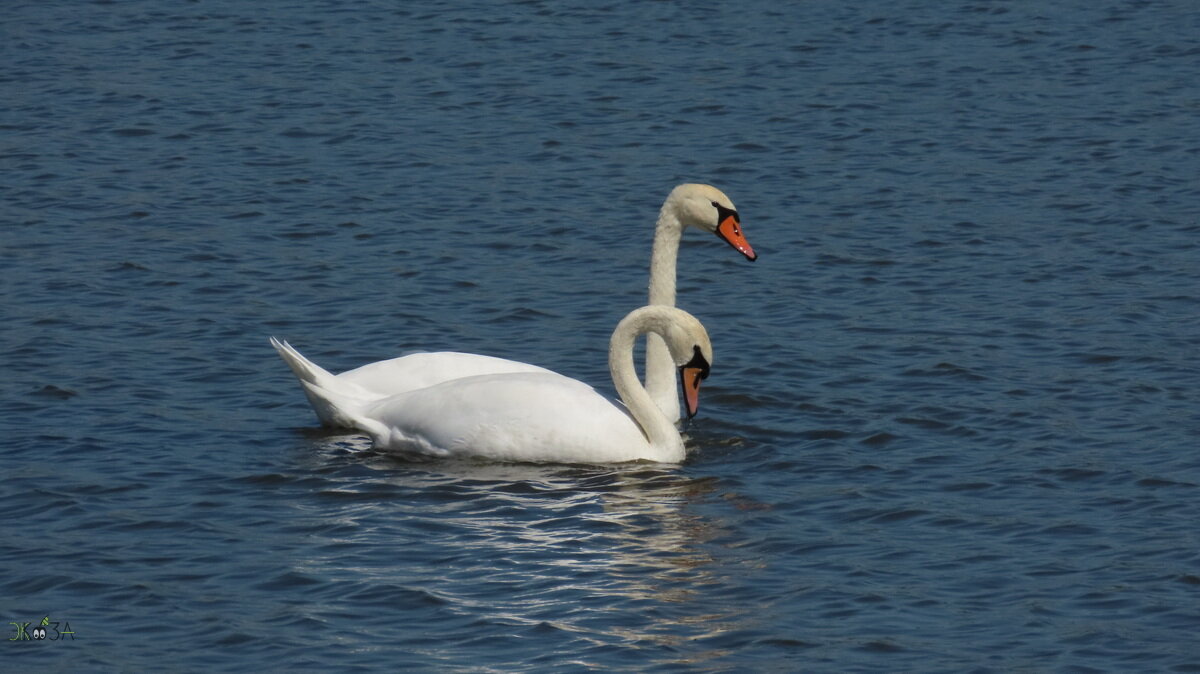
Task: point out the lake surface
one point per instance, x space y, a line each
953 417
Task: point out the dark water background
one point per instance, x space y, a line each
953 418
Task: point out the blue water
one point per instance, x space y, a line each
953 414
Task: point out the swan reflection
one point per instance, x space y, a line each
614 555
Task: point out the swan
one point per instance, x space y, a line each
689 205
541 416
694 205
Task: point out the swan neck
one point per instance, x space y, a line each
659 430
664 255
660 371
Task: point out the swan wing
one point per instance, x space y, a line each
422 370
535 417
375 381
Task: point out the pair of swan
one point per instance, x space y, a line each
459 404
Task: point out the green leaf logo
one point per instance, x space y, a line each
45 621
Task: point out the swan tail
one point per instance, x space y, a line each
340 409
337 396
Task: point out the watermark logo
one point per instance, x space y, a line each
45 630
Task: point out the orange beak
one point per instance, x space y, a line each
691 389
731 232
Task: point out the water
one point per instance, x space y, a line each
952 419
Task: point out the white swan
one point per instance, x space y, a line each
690 205
695 205
542 416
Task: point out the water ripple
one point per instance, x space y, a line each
952 407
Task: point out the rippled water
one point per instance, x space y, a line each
953 415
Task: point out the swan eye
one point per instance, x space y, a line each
726 213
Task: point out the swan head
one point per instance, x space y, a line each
686 341
707 208
690 348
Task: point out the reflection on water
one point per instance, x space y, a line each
550 546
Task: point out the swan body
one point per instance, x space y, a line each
540 416
374 381
689 205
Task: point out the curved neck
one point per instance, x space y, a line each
660 431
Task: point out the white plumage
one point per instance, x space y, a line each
537 416
689 205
